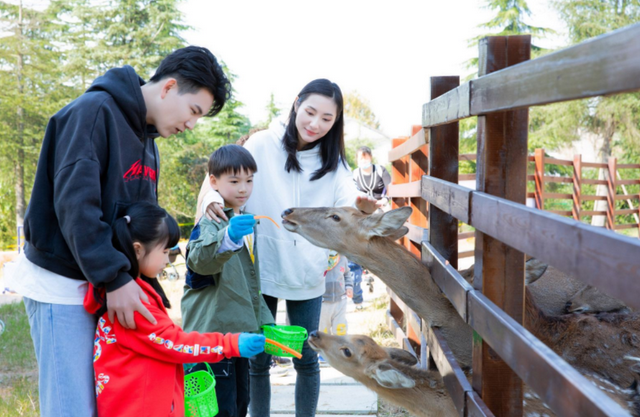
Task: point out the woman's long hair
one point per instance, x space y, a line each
331 145
150 225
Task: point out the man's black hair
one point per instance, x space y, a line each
195 68
231 159
365 150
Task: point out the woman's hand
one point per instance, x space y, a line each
366 204
215 212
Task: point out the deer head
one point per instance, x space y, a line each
592 300
360 357
390 372
340 228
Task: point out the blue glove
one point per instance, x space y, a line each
241 225
250 344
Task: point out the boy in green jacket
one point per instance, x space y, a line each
222 291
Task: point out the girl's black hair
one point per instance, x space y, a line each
149 225
331 145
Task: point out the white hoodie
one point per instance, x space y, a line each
290 266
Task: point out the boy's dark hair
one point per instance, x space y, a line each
231 159
365 150
195 68
331 145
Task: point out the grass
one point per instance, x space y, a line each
18 368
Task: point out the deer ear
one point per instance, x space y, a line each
534 270
402 356
467 274
389 224
388 376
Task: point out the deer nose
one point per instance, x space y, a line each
287 212
567 306
314 334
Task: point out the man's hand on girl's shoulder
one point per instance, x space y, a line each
125 301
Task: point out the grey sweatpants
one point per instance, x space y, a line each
333 317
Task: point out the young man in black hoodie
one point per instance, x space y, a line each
99 156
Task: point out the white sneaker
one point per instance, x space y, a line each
277 370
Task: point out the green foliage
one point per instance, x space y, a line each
30 76
357 107
19 384
51 56
272 110
614 119
509 20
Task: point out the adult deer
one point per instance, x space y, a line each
593 344
369 241
556 293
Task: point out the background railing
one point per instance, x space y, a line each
425 175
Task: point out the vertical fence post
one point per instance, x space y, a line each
399 175
501 171
539 177
419 167
611 193
443 163
577 187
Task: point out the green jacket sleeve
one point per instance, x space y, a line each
203 256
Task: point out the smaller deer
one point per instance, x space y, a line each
389 372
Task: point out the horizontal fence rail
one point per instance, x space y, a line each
598 257
513 343
607 64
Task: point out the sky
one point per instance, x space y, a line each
384 50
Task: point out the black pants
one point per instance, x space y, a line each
232 386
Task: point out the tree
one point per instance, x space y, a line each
509 20
273 111
139 33
615 120
356 107
29 70
48 57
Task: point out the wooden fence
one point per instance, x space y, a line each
540 179
425 172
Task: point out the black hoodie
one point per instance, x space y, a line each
98 156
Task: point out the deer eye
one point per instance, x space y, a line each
346 352
336 217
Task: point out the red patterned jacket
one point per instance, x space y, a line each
139 372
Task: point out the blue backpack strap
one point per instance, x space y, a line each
193 279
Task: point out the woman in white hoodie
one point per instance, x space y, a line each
301 164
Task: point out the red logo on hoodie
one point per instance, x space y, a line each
138 171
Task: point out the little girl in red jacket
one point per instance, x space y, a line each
140 372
